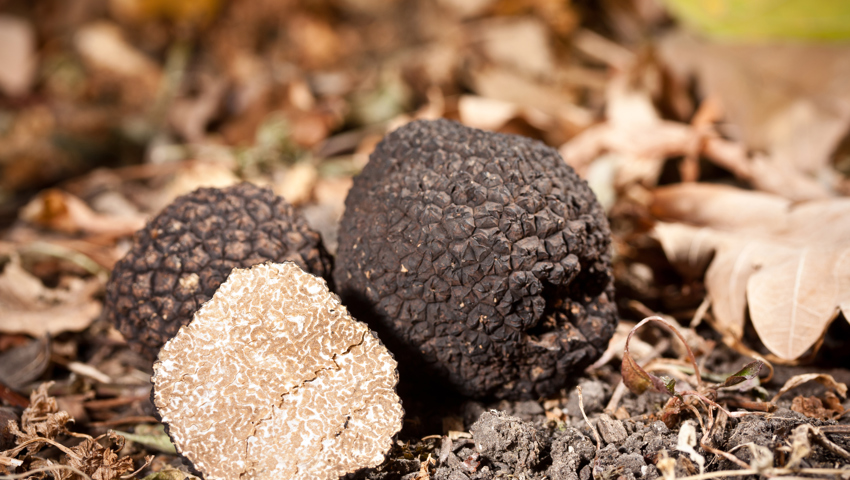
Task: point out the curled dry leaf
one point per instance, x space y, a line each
827 408
27 306
485 113
520 44
61 211
790 263
98 461
17 55
103 46
800 447
824 379
42 419
639 380
25 363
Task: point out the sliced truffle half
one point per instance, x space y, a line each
273 379
180 258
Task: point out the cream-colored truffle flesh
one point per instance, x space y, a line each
273 379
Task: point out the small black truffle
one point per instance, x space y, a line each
185 253
480 256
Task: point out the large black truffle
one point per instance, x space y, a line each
484 256
185 253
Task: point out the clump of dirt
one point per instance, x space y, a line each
503 446
549 439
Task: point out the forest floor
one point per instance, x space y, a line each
723 168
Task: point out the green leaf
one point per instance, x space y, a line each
665 385
761 20
154 437
750 371
170 473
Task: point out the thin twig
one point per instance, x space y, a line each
49 468
767 472
148 460
691 357
845 429
700 313
592 429
15 451
124 421
825 442
728 456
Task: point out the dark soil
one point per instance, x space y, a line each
522 440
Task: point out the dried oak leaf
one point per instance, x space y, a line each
273 379
788 262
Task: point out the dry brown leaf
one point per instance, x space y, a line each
787 262
641 141
465 8
502 84
727 276
634 134
787 100
27 306
194 174
64 212
190 116
813 407
42 419
793 298
824 379
24 364
17 55
147 10
518 43
99 462
297 182
103 46
720 207
485 113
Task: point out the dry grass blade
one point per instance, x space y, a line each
589 425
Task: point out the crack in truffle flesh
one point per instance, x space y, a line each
479 256
181 257
273 379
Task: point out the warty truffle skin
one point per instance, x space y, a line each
184 254
481 257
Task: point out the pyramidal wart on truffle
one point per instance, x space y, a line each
480 256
